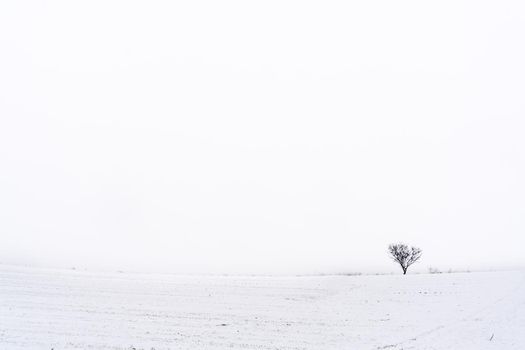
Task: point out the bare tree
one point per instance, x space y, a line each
404 255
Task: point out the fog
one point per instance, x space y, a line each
261 137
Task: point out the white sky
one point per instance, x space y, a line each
261 136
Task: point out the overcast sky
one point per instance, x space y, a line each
261 136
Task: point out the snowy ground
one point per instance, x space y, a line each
63 309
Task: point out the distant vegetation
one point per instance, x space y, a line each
404 255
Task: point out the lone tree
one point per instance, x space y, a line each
404 255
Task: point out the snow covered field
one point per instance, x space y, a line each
66 309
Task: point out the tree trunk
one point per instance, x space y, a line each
405 271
